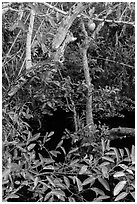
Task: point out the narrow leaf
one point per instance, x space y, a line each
90 180
31 146
105 172
119 187
67 182
100 198
121 196
83 169
58 193
98 191
119 174
108 159
50 181
79 184
104 183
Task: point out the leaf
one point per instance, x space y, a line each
83 169
116 154
50 167
47 196
67 182
54 153
90 180
121 152
79 184
104 183
100 198
98 191
121 196
119 174
34 138
50 181
36 180
58 193
31 146
63 149
108 159
59 144
74 162
128 152
119 187
105 172
104 164
12 196
50 134
29 176
103 145
123 166
133 154
73 150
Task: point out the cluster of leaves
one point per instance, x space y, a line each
107 172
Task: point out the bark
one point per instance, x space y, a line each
28 43
89 110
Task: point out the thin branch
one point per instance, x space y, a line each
94 19
29 37
126 65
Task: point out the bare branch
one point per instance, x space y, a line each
29 37
94 19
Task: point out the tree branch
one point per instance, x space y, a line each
94 19
29 37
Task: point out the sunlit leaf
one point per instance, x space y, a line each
103 145
100 198
34 138
79 184
119 174
121 196
74 162
58 193
83 169
54 153
59 144
31 146
121 152
90 180
67 182
108 159
36 180
50 134
98 191
104 164
105 172
119 187
73 150
133 154
50 181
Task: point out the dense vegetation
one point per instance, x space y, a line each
68 88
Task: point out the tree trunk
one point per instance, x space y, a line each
89 110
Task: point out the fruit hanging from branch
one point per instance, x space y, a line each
91 25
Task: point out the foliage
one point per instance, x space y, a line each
107 171
90 167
